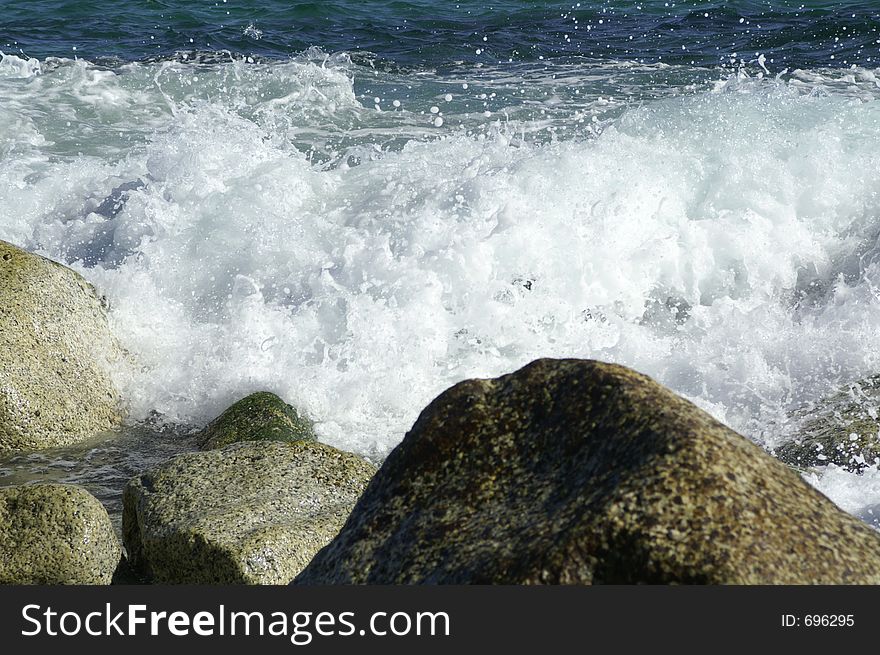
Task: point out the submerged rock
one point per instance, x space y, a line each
842 429
55 534
252 513
572 471
55 353
261 416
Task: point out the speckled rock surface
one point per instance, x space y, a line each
55 534
842 429
572 471
254 512
55 353
261 416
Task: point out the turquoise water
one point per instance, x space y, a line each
357 204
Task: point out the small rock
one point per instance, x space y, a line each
578 472
842 429
56 351
261 416
55 534
252 513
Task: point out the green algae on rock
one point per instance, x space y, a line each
252 513
573 471
55 534
56 350
261 416
841 429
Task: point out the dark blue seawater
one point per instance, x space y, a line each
433 34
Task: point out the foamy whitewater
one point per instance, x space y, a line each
358 237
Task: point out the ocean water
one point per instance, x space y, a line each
358 204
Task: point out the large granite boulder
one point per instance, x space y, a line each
56 351
842 428
572 471
55 534
261 416
252 513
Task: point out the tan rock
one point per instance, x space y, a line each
55 534
254 512
56 351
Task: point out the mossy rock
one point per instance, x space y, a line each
841 429
56 354
54 534
254 512
579 472
261 416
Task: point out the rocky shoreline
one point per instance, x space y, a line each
564 472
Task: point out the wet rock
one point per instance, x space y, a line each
261 416
56 350
572 471
252 513
55 534
842 429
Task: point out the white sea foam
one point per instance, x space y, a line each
858 494
255 226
